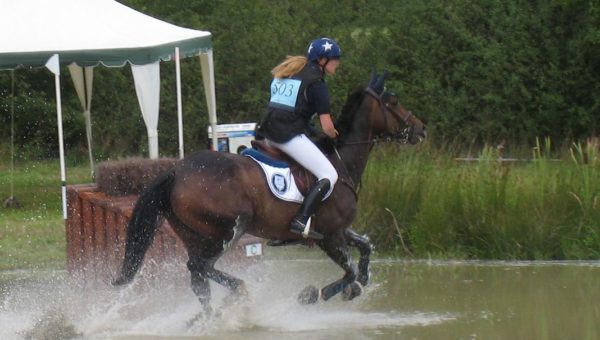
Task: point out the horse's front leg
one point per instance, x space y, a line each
336 248
364 247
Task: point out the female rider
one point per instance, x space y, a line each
298 92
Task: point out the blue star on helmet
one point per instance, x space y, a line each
327 46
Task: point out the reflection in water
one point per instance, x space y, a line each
407 300
498 300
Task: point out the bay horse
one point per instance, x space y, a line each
210 199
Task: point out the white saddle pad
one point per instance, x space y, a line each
281 182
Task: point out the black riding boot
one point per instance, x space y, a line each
312 200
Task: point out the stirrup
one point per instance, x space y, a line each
300 228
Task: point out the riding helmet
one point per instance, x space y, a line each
323 48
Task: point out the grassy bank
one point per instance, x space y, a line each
33 236
541 208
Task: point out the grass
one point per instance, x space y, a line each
443 208
33 236
538 209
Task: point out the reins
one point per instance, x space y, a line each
350 184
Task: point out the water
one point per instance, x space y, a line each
407 300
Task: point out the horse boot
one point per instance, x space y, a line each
312 200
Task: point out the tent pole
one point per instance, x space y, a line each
63 172
179 104
11 201
12 135
208 76
53 65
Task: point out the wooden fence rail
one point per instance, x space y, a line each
96 233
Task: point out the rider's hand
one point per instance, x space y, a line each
327 143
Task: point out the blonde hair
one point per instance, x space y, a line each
290 66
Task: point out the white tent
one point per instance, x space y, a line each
85 33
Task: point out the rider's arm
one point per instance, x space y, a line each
327 125
319 93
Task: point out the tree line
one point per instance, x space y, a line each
479 71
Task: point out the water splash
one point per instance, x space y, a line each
52 305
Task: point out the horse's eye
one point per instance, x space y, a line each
392 100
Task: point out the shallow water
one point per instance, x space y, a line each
406 300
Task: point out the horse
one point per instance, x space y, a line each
210 199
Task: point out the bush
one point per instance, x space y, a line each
477 72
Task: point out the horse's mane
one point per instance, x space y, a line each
344 122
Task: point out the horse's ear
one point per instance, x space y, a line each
373 81
378 85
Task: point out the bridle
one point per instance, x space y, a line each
402 137
400 115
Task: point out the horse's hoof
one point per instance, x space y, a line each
352 290
364 279
309 295
120 281
241 290
202 316
238 294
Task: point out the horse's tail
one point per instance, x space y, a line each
152 205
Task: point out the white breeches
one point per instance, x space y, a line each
302 149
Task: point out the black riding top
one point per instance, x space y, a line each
294 101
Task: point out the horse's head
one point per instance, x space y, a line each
389 117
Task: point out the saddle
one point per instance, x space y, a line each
302 177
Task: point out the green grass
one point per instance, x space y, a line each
443 208
34 235
538 209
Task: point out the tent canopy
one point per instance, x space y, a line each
89 32
85 33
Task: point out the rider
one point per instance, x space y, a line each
298 92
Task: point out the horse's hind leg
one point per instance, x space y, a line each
336 248
222 278
198 260
201 266
200 284
202 258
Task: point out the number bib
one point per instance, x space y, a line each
284 93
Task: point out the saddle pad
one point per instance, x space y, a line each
278 175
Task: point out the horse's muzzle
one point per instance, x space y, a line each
414 135
420 136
